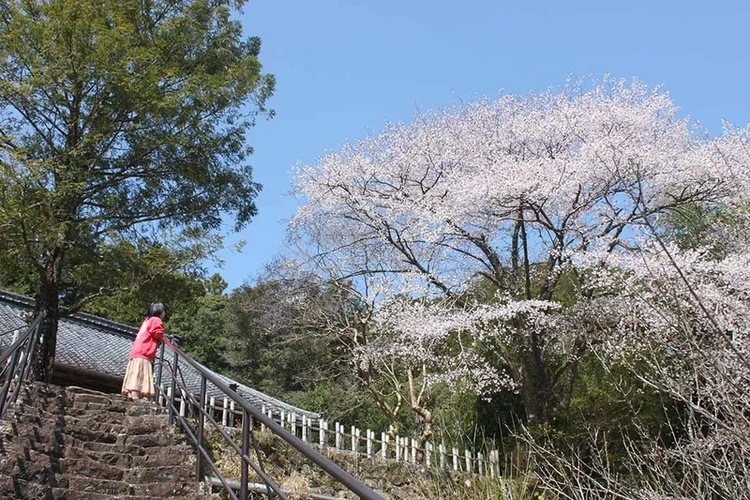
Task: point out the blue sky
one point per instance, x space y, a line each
345 67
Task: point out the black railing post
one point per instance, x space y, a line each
157 392
245 452
9 380
30 347
172 403
251 413
201 420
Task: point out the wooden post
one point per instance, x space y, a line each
169 395
293 423
338 435
413 450
428 453
264 412
441 450
231 413
492 463
204 402
322 433
354 439
455 458
282 422
467 456
384 445
370 439
305 424
480 463
397 442
183 397
225 413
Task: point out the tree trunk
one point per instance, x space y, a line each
536 391
426 432
48 303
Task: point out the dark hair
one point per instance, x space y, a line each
156 309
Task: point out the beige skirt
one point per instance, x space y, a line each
139 376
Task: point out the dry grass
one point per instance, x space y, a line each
394 480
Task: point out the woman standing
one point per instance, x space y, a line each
139 375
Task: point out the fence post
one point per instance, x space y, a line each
354 439
384 445
397 441
304 428
480 463
322 433
455 458
264 412
183 397
225 413
467 455
370 438
428 453
413 450
212 407
231 413
338 436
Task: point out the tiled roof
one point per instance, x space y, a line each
102 346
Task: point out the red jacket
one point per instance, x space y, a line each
148 338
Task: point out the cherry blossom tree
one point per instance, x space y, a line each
507 194
677 322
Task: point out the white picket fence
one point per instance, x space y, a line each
372 445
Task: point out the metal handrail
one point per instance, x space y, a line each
193 435
347 480
17 359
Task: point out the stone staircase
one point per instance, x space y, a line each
73 443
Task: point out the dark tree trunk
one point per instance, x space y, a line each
537 386
48 303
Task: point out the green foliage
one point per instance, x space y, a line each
202 330
119 121
618 406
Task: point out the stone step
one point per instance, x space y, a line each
175 447
74 443
74 389
19 489
40 437
130 423
160 489
27 464
65 494
73 394
134 475
165 457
